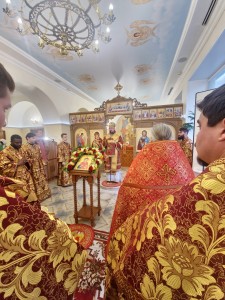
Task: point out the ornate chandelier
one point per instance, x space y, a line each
69 25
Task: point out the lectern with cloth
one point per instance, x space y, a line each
87 211
84 164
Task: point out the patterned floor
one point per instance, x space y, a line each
61 203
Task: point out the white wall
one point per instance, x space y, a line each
192 88
54 131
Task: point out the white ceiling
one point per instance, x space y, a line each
149 37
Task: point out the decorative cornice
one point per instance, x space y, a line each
102 106
136 103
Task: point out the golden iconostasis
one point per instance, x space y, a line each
131 118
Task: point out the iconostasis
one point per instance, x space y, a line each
134 122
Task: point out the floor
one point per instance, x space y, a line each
62 205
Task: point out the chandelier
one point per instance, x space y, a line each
69 25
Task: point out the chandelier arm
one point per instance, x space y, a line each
55 17
66 16
88 8
81 38
27 4
76 22
98 25
46 20
51 34
72 46
43 26
82 30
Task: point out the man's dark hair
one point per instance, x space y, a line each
63 134
6 81
184 129
30 134
213 106
15 137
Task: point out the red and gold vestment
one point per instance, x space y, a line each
9 167
173 248
159 169
63 153
33 155
39 258
186 145
113 144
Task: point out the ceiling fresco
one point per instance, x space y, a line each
145 37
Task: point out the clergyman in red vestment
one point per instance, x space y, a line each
185 143
63 154
39 258
174 247
113 143
159 169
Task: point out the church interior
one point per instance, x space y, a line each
82 66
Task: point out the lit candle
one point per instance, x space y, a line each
79 51
96 45
110 9
41 43
19 20
107 31
20 24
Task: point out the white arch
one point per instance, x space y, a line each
24 114
39 99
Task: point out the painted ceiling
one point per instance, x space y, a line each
145 37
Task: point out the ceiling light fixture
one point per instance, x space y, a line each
182 59
69 25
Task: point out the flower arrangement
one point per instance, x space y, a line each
96 161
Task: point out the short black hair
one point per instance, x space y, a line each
63 134
30 134
213 106
184 129
6 81
15 136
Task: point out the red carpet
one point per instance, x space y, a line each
110 184
92 281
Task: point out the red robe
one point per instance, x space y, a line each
63 154
33 155
159 169
113 144
173 248
39 258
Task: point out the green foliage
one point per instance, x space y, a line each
190 125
